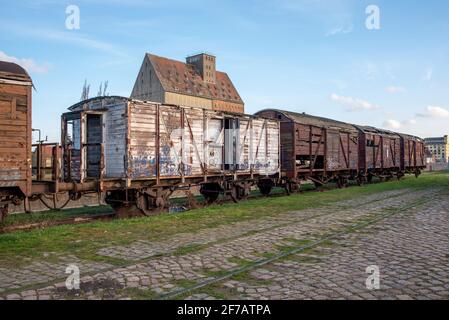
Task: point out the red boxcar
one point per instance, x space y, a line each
413 154
379 153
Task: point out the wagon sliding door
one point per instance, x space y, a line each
232 144
170 142
342 150
214 144
93 145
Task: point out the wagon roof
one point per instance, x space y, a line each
377 130
409 136
106 100
313 120
111 100
179 77
387 132
12 72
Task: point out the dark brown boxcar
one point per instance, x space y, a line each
379 153
413 154
15 134
316 148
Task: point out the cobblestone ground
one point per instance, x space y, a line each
409 243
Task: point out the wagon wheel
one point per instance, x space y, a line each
145 205
265 189
54 202
369 178
153 202
209 193
400 175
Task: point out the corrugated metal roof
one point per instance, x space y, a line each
179 77
14 72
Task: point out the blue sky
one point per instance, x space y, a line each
313 56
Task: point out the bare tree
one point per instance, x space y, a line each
100 91
105 88
85 93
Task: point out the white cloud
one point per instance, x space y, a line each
437 112
353 104
78 40
395 89
72 38
392 124
29 64
434 112
340 30
396 125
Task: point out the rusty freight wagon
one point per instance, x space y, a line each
379 153
140 152
317 149
15 135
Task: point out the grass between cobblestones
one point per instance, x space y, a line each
86 239
309 255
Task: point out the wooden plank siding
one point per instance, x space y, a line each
312 145
15 136
150 141
191 142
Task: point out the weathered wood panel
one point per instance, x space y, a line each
115 126
145 140
194 141
214 140
142 133
170 141
15 136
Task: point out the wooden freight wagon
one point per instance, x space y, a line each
317 149
413 154
140 152
380 153
15 134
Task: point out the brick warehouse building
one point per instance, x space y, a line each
195 83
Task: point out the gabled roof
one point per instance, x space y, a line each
178 77
12 72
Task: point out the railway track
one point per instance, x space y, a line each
358 226
250 266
